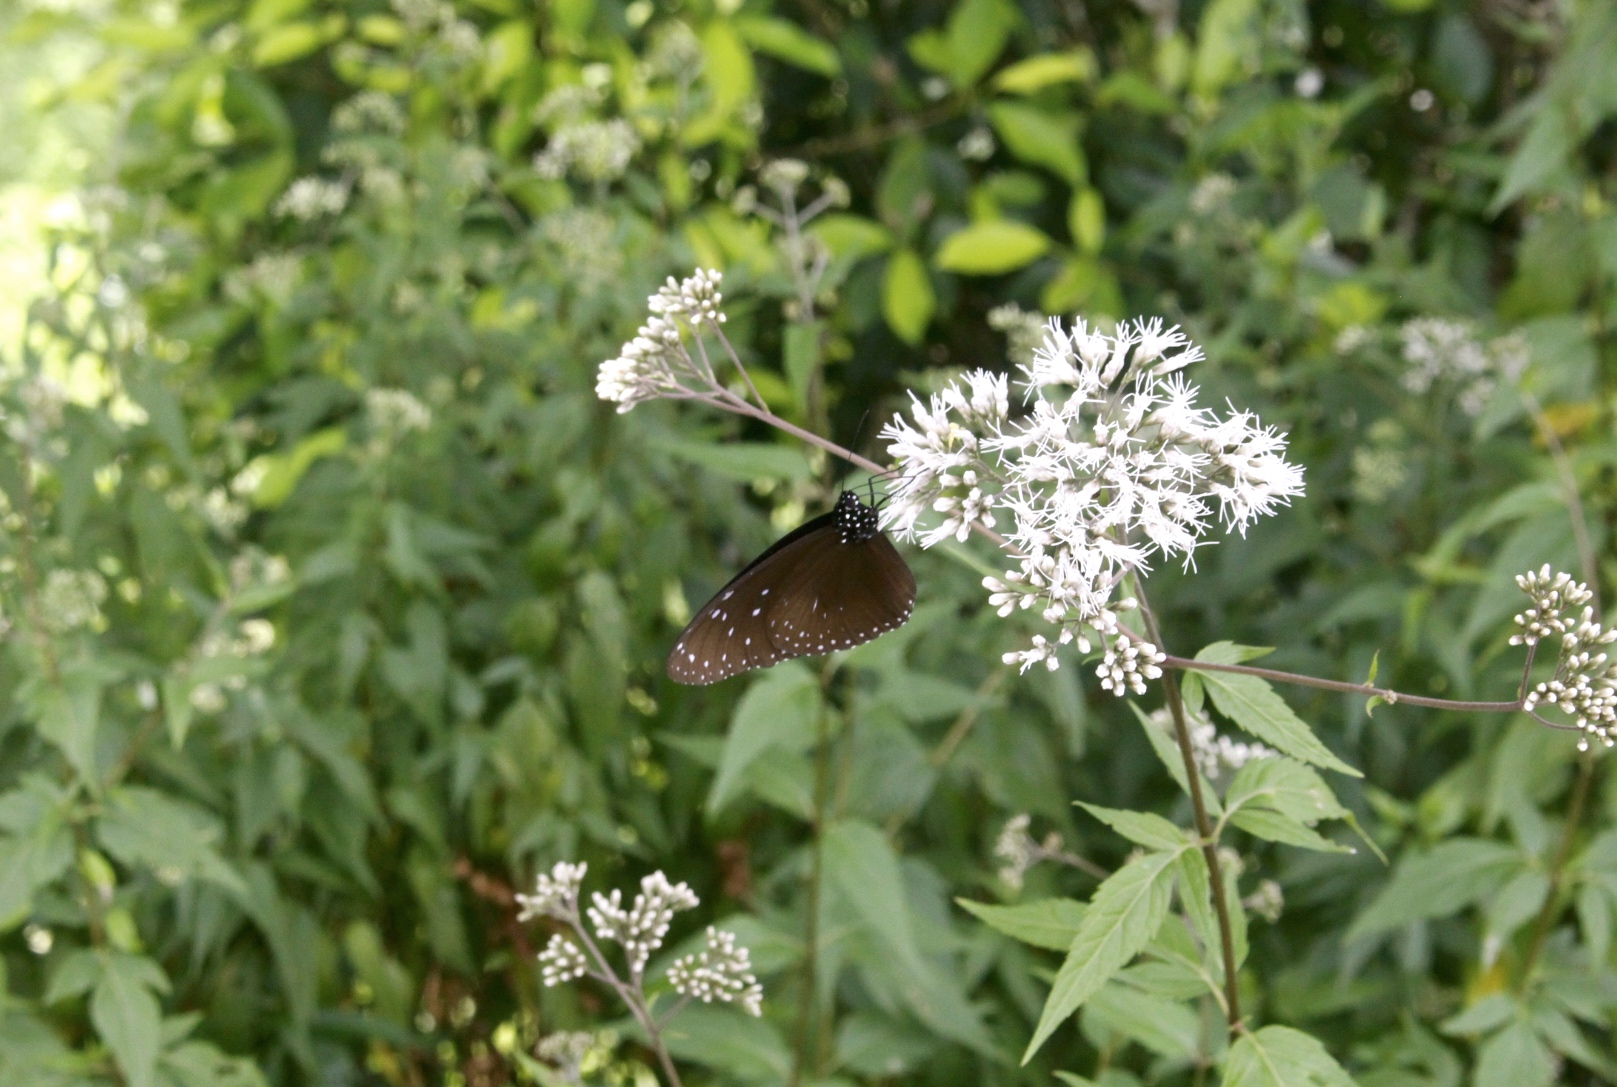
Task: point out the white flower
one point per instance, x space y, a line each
71 599
723 972
393 412
1217 756
561 961
1448 352
1584 685
641 928
309 198
555 893
656 363
566 1050
592 151
1113 465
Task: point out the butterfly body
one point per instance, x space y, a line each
833 583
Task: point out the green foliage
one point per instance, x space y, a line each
335 603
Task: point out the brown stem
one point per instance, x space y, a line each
1390 697
1204 827
1563 853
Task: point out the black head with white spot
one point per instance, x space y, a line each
856 522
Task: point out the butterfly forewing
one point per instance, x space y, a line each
833 583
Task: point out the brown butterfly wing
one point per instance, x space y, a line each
840 596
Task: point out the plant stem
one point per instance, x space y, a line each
1563 853
1391 697
811 923
632 995
1204 826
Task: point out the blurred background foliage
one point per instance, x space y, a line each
335 604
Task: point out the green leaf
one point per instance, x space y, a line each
1285 786
723 1038
781 709
1273 826
74 975
1049 922
1126 911
1140 827
907 298
992 248
1436 883
1515 1057
1165 1027
1040 138
851 237
790 43
127 1017
1282 1057
729 69
1167 752
974 37
68 715
1251 703
144 828
743 462
1045 70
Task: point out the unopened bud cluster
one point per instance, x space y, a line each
657 362
641 928
561 961
723 972
1584 685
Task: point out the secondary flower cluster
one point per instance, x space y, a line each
722 972
1584 685
657 363
1113 465
1217 756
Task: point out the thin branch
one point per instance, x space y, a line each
1391 697
1204 827
1569 489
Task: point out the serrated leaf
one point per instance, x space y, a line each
1126 911
142 827
1285 786
1282 1057
127 1017
992 248
1273 826
1142 828
1252 704
1050 922
1436 883
1166 1027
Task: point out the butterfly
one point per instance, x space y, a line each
834 582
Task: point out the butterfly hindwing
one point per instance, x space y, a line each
842 596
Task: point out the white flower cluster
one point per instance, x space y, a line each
723 972
369 111
310 198
656 362
71 599
1268 901
1439 350
394 412
1114 465
592 151
561 961
1584 685
1019 852
641 928
566 1050
1217 756
555 893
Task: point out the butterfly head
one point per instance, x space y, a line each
856 522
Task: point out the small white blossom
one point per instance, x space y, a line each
1584 685
369 111
394 412
555 893
1216 755
561 961
567 1051
71 599
592 151
1268 901
657 363
977 145
1211 193
1437 351
1113 465
723 972
641 928
310 198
